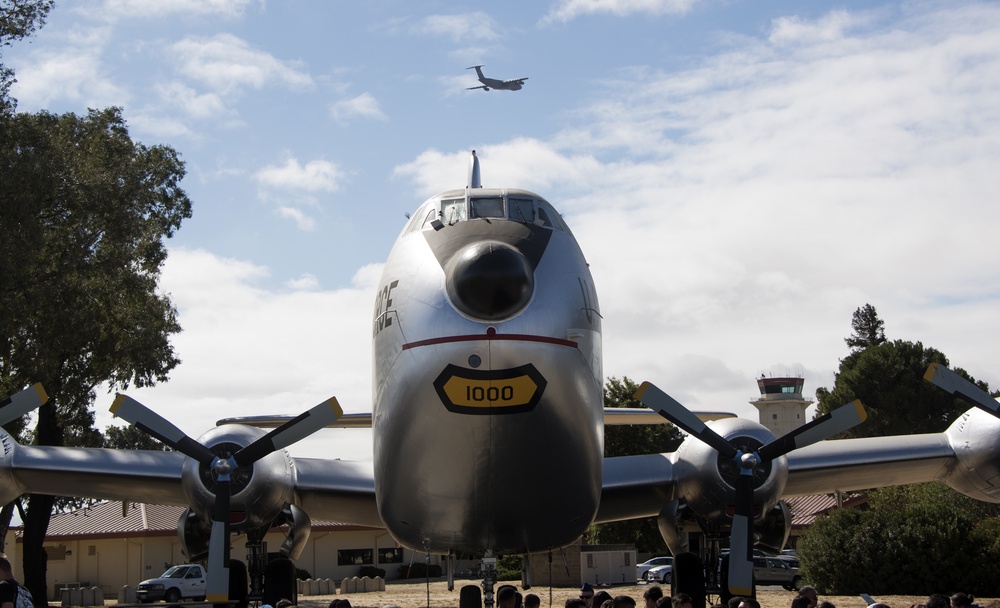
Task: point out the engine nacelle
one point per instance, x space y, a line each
260 491
975 438
706 481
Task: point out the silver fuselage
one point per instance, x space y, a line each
488 432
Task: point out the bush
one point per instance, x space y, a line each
371 572
419 570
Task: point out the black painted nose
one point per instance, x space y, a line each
489 280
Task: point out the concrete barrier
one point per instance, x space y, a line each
126 595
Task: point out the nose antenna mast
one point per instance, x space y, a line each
474 179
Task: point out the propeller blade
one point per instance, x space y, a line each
295 429
826 426
672 410
217 589
151 423
951 382
22 403
741 538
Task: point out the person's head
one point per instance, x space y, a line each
5 570
599 598
651 595
749 602
344 603
938 600
575 602
505 596
801 601
532 601
518 599
587 594
961 600
665 602
283 603
810 592
826 604
734 602
682 600
623 601
879 605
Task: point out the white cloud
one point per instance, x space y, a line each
314 176
162 8
362 106
246 350
227 63
193 104
306 282
567 10
304 222
459 27
73 73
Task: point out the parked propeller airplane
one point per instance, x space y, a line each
487 340
514 84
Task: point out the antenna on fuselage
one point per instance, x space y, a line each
474 180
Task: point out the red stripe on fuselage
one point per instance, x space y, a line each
490 336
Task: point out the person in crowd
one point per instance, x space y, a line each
587 594
532 601
749 602
938 600
575 602
623 601
682 600
810 592
505 596
801 601
651 595
826 604
600 597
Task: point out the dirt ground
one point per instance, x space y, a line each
415 595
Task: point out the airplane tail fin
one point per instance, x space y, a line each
479 72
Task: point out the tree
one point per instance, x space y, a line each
85 212
19 19
888 379
869 330
131 438
923 538
629 440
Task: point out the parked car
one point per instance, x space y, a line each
185 581
641 570
660 574
776 571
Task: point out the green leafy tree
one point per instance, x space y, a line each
918 539
19 19
628 440
888 378
131 438
85 214
869 330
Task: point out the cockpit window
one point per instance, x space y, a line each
521 210
486 207
453 210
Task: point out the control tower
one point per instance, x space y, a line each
782 408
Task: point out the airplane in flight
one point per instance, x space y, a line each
514 84
487 387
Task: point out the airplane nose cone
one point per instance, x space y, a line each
489 280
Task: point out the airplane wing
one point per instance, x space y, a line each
360 420
614 416
483 87
515 81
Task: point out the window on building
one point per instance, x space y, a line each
390 556
354 557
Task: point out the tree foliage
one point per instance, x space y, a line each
869 329
84 216
628 440
887 376
19 19
919 539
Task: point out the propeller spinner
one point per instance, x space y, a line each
746 460
224 467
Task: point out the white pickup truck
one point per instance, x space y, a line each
186 581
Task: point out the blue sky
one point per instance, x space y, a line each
741 175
